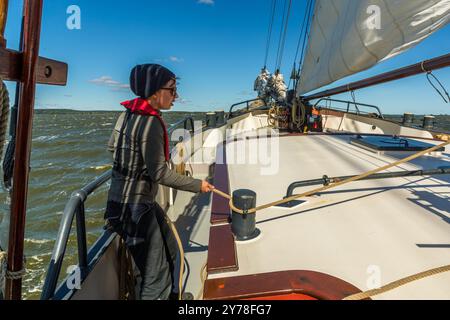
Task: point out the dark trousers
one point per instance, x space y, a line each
151 243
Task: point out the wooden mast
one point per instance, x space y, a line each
31 37
27 68
3 18
412 70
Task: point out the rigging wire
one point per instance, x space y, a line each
299 40
308 29
269 33
302 29
429 75
284 34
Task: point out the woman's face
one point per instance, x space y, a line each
163 99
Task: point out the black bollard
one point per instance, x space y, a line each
243 225
408 119
211 119
220 118
428 122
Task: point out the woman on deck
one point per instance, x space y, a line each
141 154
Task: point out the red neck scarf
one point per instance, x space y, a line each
141 106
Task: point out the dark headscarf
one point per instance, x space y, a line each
146 79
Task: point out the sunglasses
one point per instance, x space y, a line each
173 90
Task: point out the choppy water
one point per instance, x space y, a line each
69 151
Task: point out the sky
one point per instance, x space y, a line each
215 47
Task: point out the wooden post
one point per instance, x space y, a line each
31 35
3 17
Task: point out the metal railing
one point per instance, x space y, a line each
325 180
356 105
184 122
247 108
75 208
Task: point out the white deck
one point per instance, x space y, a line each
398 226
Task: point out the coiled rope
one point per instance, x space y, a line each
5 273
4 115
8 161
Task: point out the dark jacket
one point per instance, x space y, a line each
141 163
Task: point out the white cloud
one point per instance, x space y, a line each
170 59
183 101
101 80
109 82
246 93
208 2
54 106
175 59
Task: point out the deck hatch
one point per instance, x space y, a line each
394 143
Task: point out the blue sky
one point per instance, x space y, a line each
216 47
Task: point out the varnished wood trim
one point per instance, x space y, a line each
49 71
3 18
310 283
221 250
220 207
31 39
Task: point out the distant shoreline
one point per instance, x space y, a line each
115 111
190 112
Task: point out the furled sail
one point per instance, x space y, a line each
349 36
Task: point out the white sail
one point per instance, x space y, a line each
349 36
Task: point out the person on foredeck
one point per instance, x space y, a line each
141 154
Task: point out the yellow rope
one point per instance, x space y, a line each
398 283
180 247
126 274
203 275
333 185
4 109
3 256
